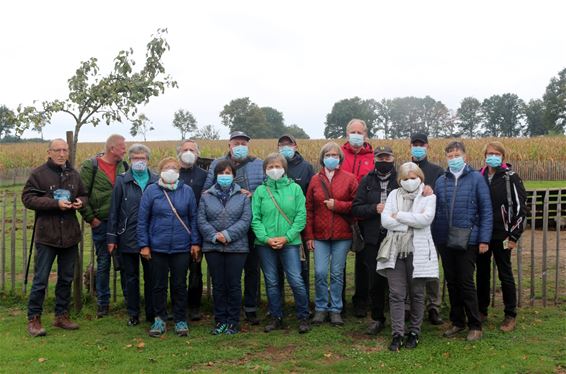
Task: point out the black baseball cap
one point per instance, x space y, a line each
239 134
419 136
290 137
383 150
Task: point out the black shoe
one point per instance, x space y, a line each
412 340
434 317
396 343
133 321
275 324
195 314
304 326
251 317
360 311
375 327
102 311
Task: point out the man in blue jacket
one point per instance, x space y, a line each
462 228
249 175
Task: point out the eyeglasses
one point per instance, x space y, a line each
59 150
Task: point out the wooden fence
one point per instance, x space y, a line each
540 267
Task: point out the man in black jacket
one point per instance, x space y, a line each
192 175
367 207
301 171
55 191
419 150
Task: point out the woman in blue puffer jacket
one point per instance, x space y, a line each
168 235
224 218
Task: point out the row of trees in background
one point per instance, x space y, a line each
499 115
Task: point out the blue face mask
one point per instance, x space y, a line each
493 161
331 163
456 164
418 153
240 152
356 140
287 151
225 180
139 166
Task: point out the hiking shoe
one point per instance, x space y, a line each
102 311
232 330
195 314
158 328
396 343
220 328
63 322
251 317
275 324
181 328
508 324
375 327
474 335
319 317
453 331
133 321
434 317
304 326
35 328
336 319
412 340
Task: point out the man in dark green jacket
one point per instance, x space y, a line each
98 175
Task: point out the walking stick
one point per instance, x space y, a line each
29 256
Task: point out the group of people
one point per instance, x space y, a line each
245 214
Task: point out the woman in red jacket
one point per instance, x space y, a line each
328 233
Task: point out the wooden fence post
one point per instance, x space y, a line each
558 221
544 245
533 229
3 249
13 244
24 244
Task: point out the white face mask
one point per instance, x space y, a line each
411 185
188 158
169 175
275 173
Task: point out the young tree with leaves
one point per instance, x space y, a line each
470 117
141 125
208 132
185 122
114 97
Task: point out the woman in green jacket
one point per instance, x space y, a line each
279 216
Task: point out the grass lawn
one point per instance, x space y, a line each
545 184
108 345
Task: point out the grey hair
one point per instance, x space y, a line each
330 146
356 120
138 148
113 139
188 141
408 167
274 157
56 140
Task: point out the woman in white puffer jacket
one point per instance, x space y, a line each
408 256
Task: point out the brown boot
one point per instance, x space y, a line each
63 321
34 326
508 324
474 335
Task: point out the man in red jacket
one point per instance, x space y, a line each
358 160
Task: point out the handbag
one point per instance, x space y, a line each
358 243
199 258
301 247
458 237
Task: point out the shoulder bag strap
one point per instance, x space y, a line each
324 187
278 207
175 212
509 199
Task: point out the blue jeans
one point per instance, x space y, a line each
103 262
291 262
65 270
226 272
333 253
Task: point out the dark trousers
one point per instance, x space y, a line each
251 277
131 274
226 272
483 278
65 270
176 265
103 264
194 292
361 280
459 267
378 285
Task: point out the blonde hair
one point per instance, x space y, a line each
498 146
168 160
272 157
330 146
356 120
407 168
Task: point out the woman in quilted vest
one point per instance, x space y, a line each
328 233
407 256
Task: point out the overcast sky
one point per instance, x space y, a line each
299 57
